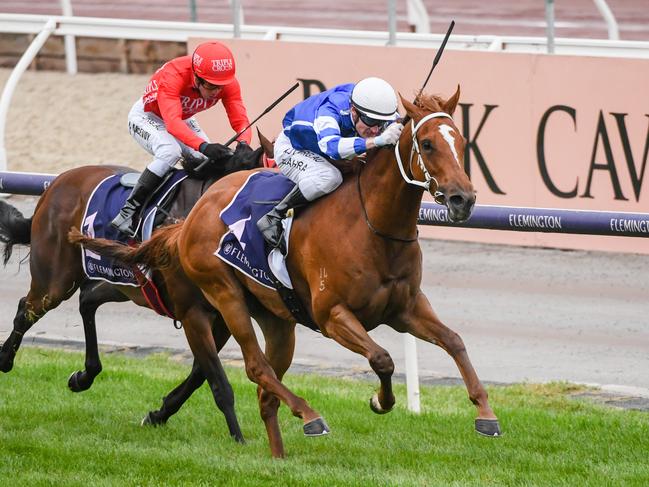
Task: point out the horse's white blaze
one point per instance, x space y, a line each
446 131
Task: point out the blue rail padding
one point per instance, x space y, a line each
546 220
519 219
24 182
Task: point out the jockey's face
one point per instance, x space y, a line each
366 128
206 89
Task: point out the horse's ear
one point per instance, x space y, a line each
266 144
451 104
411 108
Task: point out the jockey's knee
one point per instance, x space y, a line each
328 183
166 157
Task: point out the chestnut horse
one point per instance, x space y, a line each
354 260
57 272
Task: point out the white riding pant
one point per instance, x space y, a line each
313 174
150 132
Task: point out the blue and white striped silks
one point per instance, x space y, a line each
322 124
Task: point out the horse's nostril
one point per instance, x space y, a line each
456 201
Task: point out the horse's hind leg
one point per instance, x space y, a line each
32 308
56 273
92 295
199 331
424 324
10 347
280 346
227 297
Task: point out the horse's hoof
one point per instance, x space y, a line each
152 419
75 384
375 405
488 427
6 364
317 427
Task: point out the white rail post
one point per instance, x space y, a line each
70 46
237 17
418 16
549 18
13 79
392 22
611 23
412 374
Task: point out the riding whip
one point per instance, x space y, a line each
275 103
435 61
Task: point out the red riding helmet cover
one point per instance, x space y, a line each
214 62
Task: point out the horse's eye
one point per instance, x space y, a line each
426 145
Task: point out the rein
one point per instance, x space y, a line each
367 219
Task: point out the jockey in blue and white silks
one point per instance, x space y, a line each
340 123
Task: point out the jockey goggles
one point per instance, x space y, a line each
372 122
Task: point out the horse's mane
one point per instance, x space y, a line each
432 103
243 158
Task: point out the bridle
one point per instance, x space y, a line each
437 195
414 149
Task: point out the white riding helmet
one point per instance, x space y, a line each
375 98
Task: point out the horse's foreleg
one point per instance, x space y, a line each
173 401
198 330
423 323
92 295
343 327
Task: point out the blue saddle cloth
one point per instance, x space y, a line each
243 247
105 202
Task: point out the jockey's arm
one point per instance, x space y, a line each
236 110
331 143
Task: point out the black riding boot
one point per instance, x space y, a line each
270 225
144 187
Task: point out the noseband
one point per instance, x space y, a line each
414 149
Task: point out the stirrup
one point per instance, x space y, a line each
270 230
123 224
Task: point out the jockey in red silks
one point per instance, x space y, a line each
163 123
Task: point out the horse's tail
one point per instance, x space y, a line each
159 252
14 229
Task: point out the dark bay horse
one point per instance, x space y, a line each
354 260
57 272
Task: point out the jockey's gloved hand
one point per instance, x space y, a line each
389 136
215 151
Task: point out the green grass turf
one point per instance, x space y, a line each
51 436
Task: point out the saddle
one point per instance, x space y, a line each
104 203
244 248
